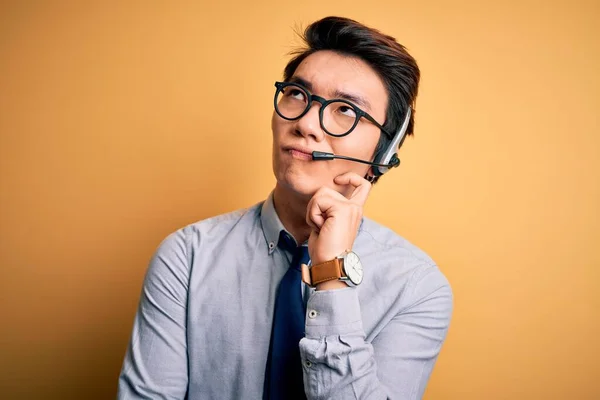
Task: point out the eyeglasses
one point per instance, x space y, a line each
338 117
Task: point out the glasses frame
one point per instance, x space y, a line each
324 103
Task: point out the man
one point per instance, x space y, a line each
300 296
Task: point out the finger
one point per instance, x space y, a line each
319 206
362 187
314 218
329 192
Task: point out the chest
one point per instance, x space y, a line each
230 313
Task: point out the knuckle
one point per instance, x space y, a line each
322 190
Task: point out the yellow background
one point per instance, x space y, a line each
121 122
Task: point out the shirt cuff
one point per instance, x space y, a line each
333 312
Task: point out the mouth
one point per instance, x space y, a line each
299 153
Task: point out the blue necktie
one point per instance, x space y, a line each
284 369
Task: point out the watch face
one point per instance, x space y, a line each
353 268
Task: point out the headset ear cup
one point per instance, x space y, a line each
377 170
389 156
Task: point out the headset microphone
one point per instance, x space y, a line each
322 156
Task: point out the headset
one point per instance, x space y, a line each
384 161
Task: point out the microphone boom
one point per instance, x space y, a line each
322 156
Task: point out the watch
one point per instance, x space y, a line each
345 267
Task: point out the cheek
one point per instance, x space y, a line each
274 123
277 126
362 145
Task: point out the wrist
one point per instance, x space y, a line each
326 255
336 273
331 285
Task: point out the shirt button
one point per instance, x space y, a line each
307 364
312 314
271 245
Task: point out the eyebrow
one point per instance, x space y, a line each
354 98
338 94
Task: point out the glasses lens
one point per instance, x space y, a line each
338 117
291 101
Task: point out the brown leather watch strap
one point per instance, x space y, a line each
326 271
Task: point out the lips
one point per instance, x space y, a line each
300 153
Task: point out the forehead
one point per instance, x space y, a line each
329 73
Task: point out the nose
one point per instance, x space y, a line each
309 125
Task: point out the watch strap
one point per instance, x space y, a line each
323 272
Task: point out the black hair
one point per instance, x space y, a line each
391 61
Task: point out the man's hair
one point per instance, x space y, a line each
396 68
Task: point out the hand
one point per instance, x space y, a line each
335 218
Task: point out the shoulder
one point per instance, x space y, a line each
383 239
402 264
221 225
170 267
210 231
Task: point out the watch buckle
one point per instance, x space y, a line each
305 271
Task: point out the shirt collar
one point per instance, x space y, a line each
271 224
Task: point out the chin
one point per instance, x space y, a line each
299 183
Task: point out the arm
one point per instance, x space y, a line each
338 363
155 365
398 362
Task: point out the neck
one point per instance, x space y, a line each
291 210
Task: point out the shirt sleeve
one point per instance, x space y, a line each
338 362
155 365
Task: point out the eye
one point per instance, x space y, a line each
346 111
295 93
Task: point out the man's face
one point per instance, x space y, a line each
329 75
